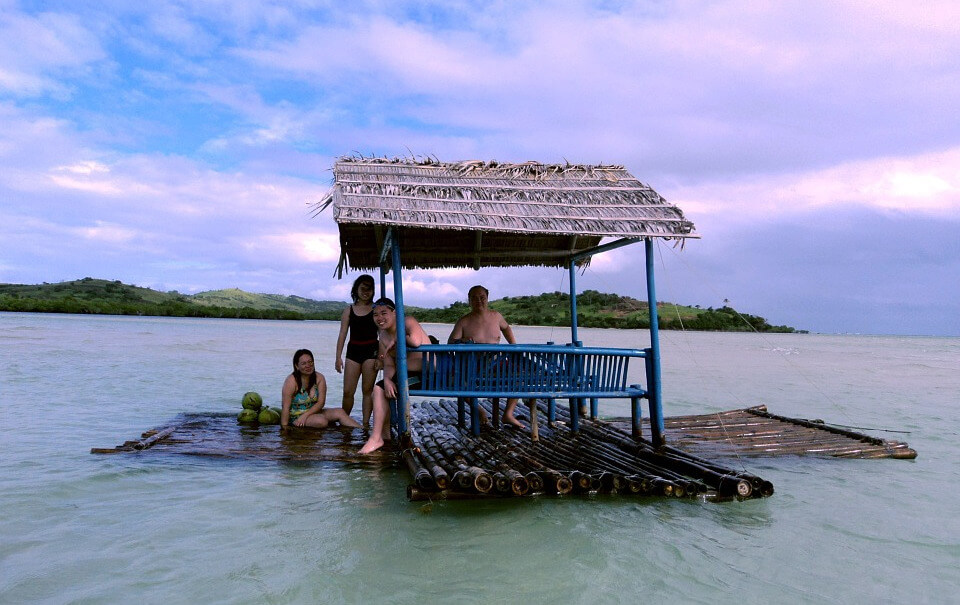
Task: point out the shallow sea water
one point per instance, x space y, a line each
81 528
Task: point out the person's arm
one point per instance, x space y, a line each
286 397
342 338
457 333
389 374
321 387
416 335
506 330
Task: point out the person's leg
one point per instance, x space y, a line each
381 421
317 421
508 413
341 416
369 377
351 374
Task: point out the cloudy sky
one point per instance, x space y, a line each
178 144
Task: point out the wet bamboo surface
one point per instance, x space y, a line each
446 462
220 436
756 432
601 458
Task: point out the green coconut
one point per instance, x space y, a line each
252 401
246 416
269 415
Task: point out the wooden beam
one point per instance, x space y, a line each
477 249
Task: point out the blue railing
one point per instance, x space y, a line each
524 371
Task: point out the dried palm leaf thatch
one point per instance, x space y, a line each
476 213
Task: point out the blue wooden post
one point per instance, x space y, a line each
574 415
575 341
473 402
654 395
635 414
475 416
403 385
385 250
573 302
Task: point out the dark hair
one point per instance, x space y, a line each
478 287
363 279
385 302
296 372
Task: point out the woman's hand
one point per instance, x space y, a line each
301 419
339 366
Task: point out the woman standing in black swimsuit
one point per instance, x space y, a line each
362 347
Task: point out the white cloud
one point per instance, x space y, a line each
301 246
108 233
336 290
608 262
415 291
189 152
922 184
85 167
33 49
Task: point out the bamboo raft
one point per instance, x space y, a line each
218 435
756 432
448 462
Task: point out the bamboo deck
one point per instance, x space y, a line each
218 435
446 462
756 432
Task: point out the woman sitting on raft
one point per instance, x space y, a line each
385 316
305 394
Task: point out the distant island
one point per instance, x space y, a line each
594 309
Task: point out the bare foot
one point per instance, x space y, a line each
373 444
510 419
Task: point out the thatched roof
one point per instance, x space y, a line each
481 214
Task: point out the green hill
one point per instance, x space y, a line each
99 296
87 289
600 310
234 297
594 309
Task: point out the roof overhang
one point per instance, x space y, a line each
477 214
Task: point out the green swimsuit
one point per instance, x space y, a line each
303 401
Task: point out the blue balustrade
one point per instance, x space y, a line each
525 371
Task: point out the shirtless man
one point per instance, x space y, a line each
385 316
483 325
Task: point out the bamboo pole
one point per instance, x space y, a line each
573 457
421 476
602 463
450 469
726 483
696 466
534 428
505 477
552 481
440 477
154 439
415 494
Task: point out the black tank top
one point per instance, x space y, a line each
362 329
